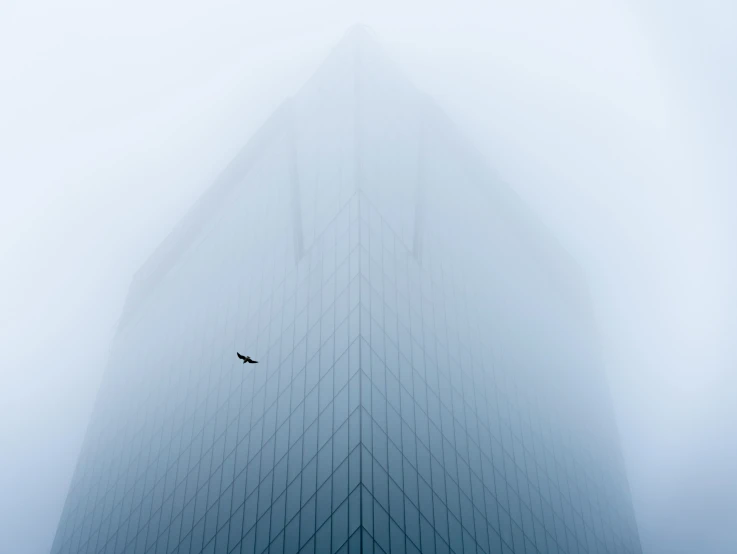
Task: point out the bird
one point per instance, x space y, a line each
246 359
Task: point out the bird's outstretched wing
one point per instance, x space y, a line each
241 356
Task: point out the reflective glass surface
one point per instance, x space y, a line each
427 380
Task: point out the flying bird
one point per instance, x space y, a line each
246 359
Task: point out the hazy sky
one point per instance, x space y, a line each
616 121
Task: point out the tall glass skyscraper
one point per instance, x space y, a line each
428 377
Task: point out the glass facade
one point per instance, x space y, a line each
405 400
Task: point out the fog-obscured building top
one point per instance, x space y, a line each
428 377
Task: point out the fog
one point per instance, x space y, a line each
615 121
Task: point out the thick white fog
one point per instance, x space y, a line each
615 121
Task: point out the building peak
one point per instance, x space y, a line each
359 34
361 40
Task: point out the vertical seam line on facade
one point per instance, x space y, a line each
356 120
360 383
419 198
357 189
296 199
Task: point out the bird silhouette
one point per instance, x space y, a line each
246 359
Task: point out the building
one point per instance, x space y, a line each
428 377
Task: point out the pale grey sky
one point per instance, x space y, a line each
616 121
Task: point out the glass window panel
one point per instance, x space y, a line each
428 536
367 510
381 527
354 510
340 526
293 498
277 515
262 532
354 468
397 539
380 446
310 442
396 503
309 480
291 537
264 494
366 469
322 538
323 503
325 425
250 511
307 521
340 445
410 483
325 462
395 464
340 483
